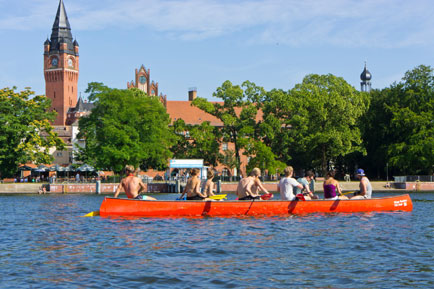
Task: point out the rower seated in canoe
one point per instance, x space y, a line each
132 186
192 189
332 189
249 187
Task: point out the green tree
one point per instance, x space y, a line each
376 134
275 128
240 117
411 105
324 110
264 158
398 128
125 127
197 142
26 134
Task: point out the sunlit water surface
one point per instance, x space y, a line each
44 243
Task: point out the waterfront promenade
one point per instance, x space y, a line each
109 188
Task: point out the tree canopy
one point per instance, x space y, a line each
399 127
318 120
239 114
26 134
126 126
197 142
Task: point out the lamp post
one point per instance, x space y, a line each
387 172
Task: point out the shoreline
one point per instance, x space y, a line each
109 188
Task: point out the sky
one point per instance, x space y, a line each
202 43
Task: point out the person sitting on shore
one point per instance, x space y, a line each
287 184
208 189
364 186
132 186
192 189
331 185
248 188
42 190
305 182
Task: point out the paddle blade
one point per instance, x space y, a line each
92 214
300 197
267 196
348 193
218 197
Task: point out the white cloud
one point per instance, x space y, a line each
374 23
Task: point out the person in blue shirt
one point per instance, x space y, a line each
305 182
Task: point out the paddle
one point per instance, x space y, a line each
347 193
300 197
218 197
267 196
92 214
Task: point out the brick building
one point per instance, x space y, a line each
61 71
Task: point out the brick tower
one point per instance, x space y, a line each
61 66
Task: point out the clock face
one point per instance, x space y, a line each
54 61
70 64
142 79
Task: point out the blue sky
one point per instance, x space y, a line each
199 43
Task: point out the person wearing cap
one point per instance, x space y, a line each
365 186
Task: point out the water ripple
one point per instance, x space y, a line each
45 244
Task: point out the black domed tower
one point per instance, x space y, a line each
366 76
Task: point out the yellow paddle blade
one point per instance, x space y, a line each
218 197
92 214
347 193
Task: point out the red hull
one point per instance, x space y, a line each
139 208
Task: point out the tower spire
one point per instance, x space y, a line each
61 20
61 66
365 77
61 32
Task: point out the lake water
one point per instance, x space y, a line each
44 243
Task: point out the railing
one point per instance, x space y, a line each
404 179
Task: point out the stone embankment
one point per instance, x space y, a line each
110 188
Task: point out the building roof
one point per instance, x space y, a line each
366 75
81 106
61 32
193 115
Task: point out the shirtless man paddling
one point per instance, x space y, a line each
132 186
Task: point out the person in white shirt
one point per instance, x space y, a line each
365 186
287 184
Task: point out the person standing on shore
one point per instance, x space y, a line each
132 186
364 186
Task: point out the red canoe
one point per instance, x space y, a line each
139 208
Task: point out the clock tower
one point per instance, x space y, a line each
61 66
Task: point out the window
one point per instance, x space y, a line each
225 172
187 134
59 154
225 146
